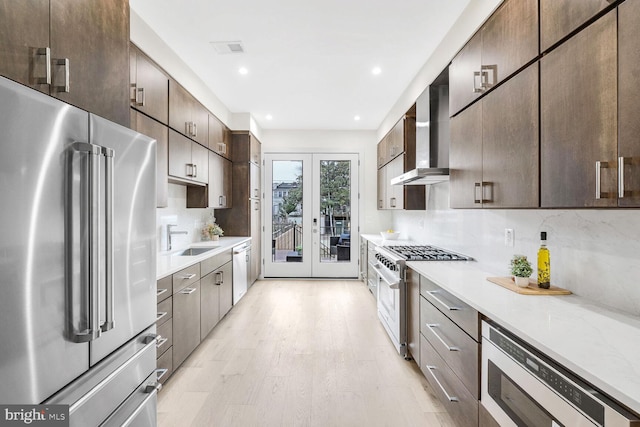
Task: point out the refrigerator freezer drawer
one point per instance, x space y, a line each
93 396
140 409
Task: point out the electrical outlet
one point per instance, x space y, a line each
509 237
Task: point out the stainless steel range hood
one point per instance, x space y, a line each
432 136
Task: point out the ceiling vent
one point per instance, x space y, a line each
224 48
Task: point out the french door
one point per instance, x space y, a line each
311 215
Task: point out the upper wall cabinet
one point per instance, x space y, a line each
160 133
219 138
629 104
493 160
558 18
187 115
504 44
579 118
78 53
188 161
149 86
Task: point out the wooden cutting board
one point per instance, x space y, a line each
532 289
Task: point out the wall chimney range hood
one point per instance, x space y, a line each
432 135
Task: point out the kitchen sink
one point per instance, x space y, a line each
194 251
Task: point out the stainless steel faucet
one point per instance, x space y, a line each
170 233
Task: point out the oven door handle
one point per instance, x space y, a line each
393 284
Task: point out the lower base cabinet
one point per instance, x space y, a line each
186 322
216 298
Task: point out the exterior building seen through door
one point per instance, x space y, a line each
314 208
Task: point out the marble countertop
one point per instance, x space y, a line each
169 263
597 343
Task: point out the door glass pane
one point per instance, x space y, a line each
335 211
286 211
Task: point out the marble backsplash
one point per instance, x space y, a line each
594 253
189 220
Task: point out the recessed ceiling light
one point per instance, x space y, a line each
243 71
376 70
356 118
268 117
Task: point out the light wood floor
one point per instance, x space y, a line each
299 353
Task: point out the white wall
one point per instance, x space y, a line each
594 253
324 141
189 220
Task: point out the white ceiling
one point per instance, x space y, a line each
310 61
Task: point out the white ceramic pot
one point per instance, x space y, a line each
522 282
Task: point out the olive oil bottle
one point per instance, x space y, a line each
544 268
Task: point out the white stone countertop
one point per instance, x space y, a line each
168 262
378 240
597 343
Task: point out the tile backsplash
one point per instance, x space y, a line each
594 253
189 220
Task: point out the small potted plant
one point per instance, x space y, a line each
211 231
521 270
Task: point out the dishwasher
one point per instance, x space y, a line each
241 261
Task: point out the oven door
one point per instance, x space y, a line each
391 307
514 397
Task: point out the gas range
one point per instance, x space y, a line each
426 253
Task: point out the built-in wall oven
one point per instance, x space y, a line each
522 387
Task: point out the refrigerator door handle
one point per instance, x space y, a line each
93 254
108 153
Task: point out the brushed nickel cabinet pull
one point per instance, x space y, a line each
622 162
599 166
476 199
64 64
140 91
46 52
448 396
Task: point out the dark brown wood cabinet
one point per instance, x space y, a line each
579 119
160 133
465 84
149 86
187 115
493 158
188 160
503 45
244 217
629 104
219 138
74 50
558 18
397 153
24 40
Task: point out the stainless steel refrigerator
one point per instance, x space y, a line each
77 261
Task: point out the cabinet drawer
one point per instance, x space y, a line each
164 365
462 314
165 311
186 277
165 337
452 343
164 288
210 264
461 405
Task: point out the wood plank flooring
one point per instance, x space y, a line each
299 353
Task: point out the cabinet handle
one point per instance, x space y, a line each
256 206
161 314
219 277
187 291
64 64
140 91
487 70
392 202
477 75
220 201
432 327
379 204
160 341
599 166
195 170
188 169
195 130
161 373
449 397
160 292
488 185
622 162
445 305
477 187
46 52
187 128
186 276
224 200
